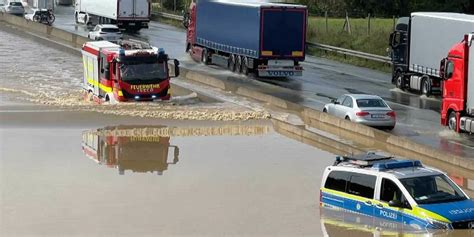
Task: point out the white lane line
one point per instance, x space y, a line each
457 143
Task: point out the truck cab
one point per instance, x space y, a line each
128 71
399 191
457 70
399 50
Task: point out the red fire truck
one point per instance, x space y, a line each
127 148
457 70
128 71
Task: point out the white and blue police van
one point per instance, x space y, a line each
399 191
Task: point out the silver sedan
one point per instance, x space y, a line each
370 110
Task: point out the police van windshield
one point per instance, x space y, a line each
143 72
433 189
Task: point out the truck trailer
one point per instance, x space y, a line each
417 44
128 71
266 38
131 15
457 70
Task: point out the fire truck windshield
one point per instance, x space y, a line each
143 71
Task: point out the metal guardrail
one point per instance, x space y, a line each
328 48
168 15
368 56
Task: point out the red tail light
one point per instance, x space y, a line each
392 114
362 114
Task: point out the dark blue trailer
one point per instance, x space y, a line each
265 38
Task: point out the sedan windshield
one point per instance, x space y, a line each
16 4
371 103
432 189
143 72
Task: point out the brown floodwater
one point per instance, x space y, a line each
90 174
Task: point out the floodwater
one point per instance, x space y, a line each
76 173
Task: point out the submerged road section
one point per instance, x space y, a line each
418 117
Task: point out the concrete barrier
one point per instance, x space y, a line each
43 30
370 138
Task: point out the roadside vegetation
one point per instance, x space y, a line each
370 36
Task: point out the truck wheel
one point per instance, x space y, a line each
452 122
232 63
399 81
245 67
188 47
238 64
425 87
205 57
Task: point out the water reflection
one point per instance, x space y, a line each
143 149
340 223
136 151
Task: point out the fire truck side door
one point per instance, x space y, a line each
103 73
93 72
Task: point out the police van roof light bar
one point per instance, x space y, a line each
365 159
397 164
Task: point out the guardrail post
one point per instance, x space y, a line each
368 24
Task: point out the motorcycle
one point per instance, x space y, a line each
44 16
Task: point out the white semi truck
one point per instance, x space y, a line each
419 41
131 15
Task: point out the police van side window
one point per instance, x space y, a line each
390 191
337 181
362 185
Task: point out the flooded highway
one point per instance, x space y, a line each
55 78
71 168
417 116
121 176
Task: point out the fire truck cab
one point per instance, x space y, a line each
127 71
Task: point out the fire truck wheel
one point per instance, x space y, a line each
89 96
